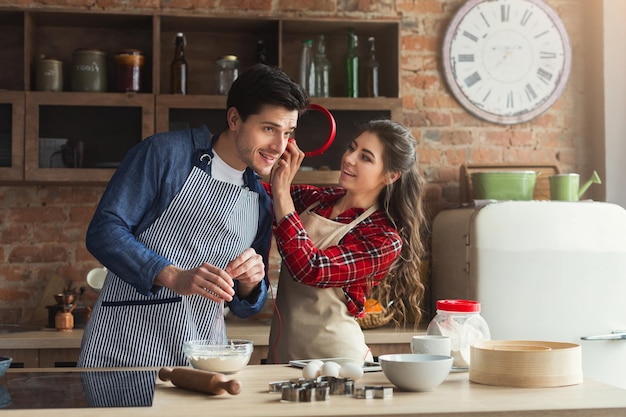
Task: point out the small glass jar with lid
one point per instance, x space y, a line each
227 73
462 322
129 70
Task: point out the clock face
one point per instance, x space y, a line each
506 61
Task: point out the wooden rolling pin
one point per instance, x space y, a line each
202 381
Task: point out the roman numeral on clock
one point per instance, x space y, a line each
509 100
505 12
526 17
470 36
544 75
466 58
530 92
472 79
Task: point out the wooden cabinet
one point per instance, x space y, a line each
80 137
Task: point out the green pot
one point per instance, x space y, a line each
504 185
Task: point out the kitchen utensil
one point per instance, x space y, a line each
95 278
331 134
430 344
542 185
224 358
65 299
566 187
367 366
415 372
202 381
504 185
525 364
374 391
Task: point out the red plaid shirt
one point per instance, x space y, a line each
362 257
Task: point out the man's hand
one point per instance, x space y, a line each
249 269
206 280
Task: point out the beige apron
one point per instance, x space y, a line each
314 322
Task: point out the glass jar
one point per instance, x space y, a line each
89 70
227 73
462 322
129 70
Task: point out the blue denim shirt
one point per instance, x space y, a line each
147 180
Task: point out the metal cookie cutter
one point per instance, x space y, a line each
301 390
339 386
374 391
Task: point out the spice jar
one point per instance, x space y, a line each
462 322
227 73
89 70
129 70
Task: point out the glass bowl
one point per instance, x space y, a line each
223 358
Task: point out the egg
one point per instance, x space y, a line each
312 369
330 368
351 370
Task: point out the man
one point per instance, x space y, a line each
184 227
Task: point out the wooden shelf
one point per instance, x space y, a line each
109 123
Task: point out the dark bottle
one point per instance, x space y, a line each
261 52
322 69
352 66
179 66
371 71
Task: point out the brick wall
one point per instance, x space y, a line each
42 228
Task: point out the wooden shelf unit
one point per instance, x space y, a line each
109 123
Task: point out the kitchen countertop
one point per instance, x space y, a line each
255 330
456 396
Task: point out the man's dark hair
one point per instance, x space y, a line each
262 84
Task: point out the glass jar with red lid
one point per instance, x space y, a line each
462 322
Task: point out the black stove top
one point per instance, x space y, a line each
30 390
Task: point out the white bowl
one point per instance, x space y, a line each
415 372
226 359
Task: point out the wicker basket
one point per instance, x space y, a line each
374 320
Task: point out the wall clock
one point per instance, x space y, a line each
506 61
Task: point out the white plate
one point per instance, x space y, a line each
367 366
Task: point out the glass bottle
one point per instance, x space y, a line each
352 66
322 69
371 71
178 76
261 52
307 67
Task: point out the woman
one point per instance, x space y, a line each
338 243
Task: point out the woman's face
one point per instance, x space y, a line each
362 169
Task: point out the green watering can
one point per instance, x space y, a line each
566 187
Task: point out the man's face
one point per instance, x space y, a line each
262 138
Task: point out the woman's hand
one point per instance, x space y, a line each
282 176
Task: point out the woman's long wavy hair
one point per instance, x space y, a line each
402 290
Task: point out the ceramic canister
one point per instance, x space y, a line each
89 70
49 75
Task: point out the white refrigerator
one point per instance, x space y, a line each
542 270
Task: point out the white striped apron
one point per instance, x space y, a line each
315 322
208 221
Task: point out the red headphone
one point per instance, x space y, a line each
331 135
